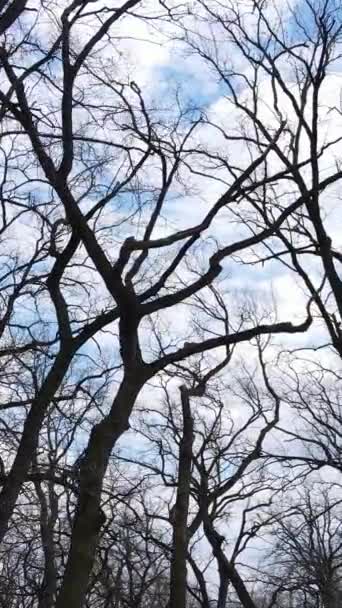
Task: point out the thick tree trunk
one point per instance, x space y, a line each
48 517
178 573
329 595
13 11
227 571
29 439
89 516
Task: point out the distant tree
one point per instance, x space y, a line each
306 559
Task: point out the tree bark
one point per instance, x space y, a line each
29 439
227 570
89 516
48 517
178 572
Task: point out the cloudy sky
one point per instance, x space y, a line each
164 67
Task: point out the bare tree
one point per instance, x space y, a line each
305 560
93 162
209 464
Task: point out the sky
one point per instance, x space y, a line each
160 62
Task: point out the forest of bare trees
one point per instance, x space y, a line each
171 304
